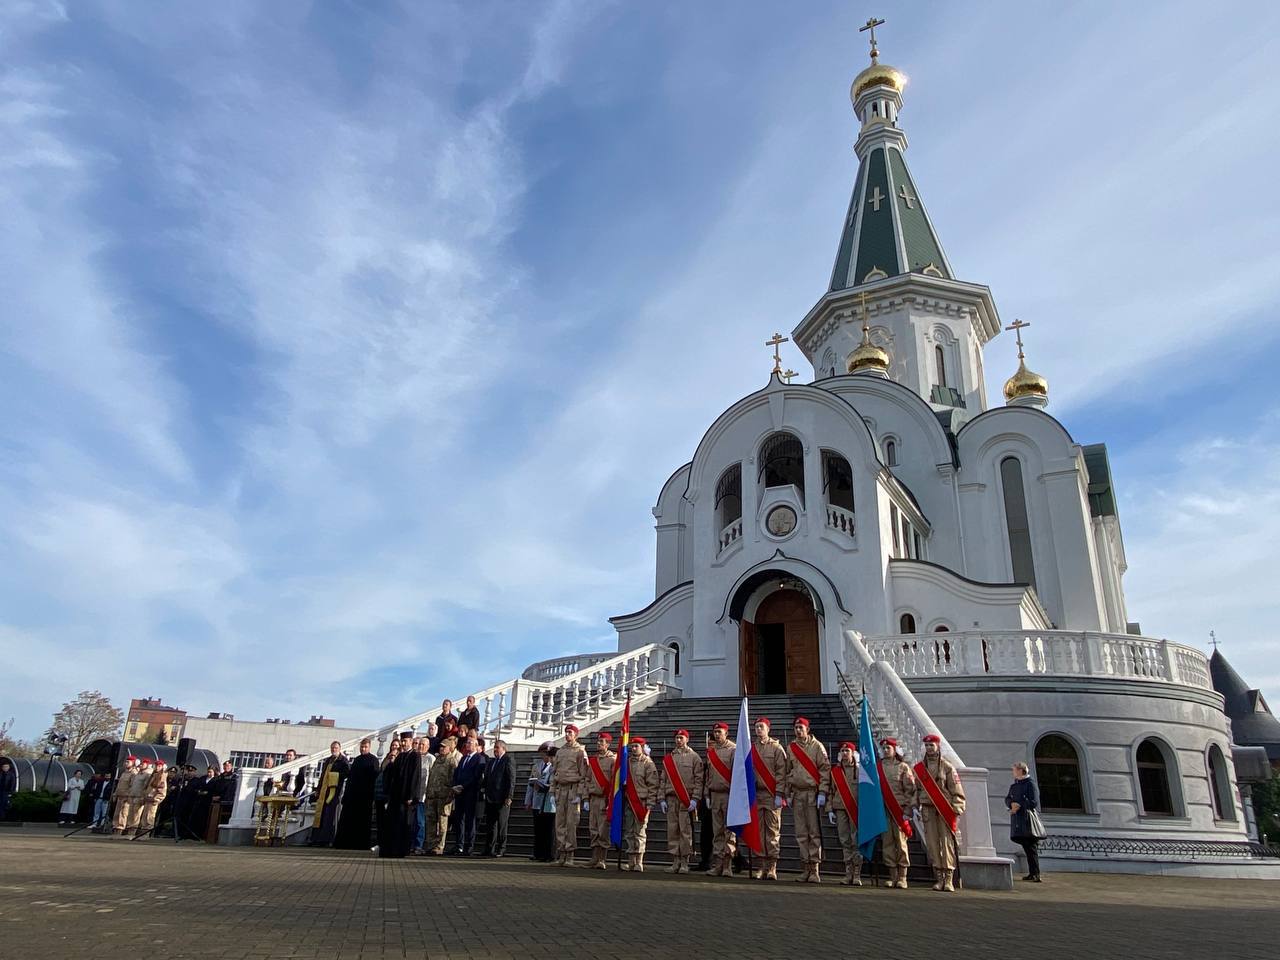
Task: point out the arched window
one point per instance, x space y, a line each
1153 780
729 497
782 461
942 628
1015 515
674 646
891 452
837 480
1220 785
906 623
940 359
1058 775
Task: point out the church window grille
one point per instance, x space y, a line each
729 495
1153 780
1220 785
893 524
940 358
907 623
891 453
1058 775
837 480
782 461
1015 514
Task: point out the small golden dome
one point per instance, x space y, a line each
869 357
875 74
1025 383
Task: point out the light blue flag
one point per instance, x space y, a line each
871 817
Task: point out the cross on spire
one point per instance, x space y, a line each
1017 325
870 26
788 374
1213 639
776 342
866 327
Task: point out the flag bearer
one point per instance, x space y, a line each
941 803
599 790
680 785
642 795
769 761
808 780
844 811
898 787
719 769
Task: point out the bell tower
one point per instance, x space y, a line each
932 325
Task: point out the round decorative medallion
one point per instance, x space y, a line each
781 521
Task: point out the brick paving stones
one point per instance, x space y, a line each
89 897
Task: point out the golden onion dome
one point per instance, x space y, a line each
869 357
1025 383
877 73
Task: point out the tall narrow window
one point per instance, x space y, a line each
939 357
906 623
891 453
782 461
893 523
906 537
1015 515
1220 785
915 538
837 480
1153 780
674 646
728 503
1058 773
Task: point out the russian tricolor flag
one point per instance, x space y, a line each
743 818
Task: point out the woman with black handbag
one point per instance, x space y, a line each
1026 829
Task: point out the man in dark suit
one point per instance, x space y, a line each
499 789
467 780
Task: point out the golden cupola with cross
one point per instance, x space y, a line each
919 326
1025 388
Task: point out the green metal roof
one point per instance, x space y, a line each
1102 497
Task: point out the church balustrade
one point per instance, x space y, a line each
730 535
838 518
1041 653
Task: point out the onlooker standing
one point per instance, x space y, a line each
542 802
1023 799
8 787
100 792
426 758
466 791
71 799
499 789
470 717
446 723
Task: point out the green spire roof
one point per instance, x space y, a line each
886 231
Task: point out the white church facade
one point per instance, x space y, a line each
885 511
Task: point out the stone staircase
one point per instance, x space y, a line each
829 721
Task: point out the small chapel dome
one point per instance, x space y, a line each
869 358
876 74
1026 386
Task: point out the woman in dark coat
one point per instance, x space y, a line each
1022 798
540 799
357 802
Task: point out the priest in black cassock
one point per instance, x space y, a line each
333 775
357 802
402 784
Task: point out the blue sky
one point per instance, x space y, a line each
344 347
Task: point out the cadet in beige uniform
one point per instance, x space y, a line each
807 795
122 795
844 819
569 773
689 768
439 797
153 791
598 800
643 775
137 787
896 772
723 843
943 845
769 760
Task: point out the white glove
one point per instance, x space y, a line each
831 816
586 806
822 800
577 799
693 807
664 806
778 802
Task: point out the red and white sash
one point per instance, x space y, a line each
939 799
806 761
676 781
603 782
722 768
841 779
891 804
763 772
633 795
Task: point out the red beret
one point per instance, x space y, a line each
570 726
601 735
765 721
799 721
721 726
682 733
931 738
849 746
131 759
888 742
639 741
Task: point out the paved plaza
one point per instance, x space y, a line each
89 897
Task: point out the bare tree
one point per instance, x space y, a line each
88 717
13 748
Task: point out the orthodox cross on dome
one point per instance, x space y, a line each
1213 639
907 197
870 26
875 197
866 328
788 374
776 342
1017 326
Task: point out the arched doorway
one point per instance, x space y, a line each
779 646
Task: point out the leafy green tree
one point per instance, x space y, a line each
161 738
1266 805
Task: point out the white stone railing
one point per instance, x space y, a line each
838 518
731 534
521 712
1059 653
547 670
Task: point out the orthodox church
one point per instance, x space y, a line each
887 510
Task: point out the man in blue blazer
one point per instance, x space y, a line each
467 780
